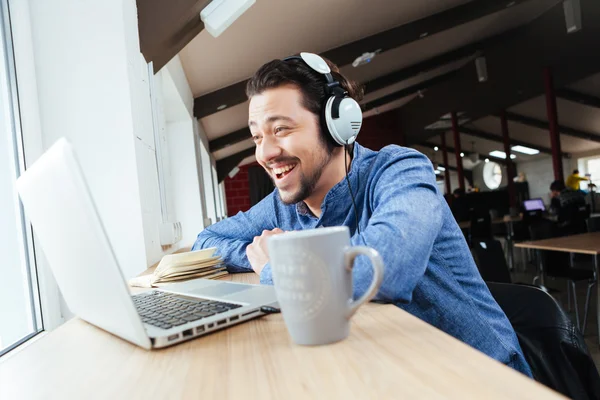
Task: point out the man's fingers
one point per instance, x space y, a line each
275 231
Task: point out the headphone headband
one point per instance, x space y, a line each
342 114
318 65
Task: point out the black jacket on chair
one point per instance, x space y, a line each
552 345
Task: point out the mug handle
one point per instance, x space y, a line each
376 263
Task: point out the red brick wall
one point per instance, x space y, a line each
376 132
380 130
237 192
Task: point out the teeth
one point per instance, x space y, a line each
278 171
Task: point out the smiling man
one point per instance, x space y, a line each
429 269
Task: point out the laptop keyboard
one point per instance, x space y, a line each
166 310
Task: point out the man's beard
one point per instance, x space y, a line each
307 183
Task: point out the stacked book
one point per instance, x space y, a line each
183 266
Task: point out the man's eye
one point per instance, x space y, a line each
280 129
256 138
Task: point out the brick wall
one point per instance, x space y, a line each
380 130
237 191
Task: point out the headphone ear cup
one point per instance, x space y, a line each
343 119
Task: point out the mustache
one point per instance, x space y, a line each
282 160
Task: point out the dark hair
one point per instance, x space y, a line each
311 84
557 186
575 171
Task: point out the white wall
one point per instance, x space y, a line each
185 180
86 80
91 90
540 174
185 183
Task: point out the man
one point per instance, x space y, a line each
574 179
566 204
460 206
429 269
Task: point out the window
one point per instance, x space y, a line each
223 199
590 166
209 194
217 193
492 175
19 302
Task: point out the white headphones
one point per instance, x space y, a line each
342 114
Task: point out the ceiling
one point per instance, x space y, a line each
574 115
277 28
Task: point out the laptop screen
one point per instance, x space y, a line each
534 204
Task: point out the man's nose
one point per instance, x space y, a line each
268 149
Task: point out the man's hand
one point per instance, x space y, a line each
257 251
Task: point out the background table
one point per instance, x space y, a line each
585 243
389 354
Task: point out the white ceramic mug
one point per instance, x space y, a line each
312 273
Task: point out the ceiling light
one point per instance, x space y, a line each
424 34
222 107
437 172
487 160
441 168
435 148
501 154
481 67
525 150
462 154
474 156
365 58
219 14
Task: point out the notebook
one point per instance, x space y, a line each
183 266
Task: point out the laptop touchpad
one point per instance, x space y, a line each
221 290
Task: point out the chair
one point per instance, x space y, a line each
521 231
497 229
582 260
489 257
552 345
593 224
557 264
481 226
574 219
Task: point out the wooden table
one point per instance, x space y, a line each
389 354
507 219
585 243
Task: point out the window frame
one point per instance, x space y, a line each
16 136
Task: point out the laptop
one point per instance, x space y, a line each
58 202
534 205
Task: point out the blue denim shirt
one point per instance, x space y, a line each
429 270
